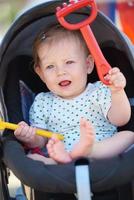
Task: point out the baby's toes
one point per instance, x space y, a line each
49 148
52 155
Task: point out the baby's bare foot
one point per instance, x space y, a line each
87 137
57 151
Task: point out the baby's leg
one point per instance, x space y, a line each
87 137
41 158
57 151
83 148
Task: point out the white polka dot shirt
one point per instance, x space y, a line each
59 115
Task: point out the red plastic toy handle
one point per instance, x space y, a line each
67 9
102 65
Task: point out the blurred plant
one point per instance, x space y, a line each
9 10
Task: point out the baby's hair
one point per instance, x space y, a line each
55 33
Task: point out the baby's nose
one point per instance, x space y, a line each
61 70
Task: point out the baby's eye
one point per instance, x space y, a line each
50 67
69 62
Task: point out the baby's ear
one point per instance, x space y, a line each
37 69
90 64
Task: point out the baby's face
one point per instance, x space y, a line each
64 66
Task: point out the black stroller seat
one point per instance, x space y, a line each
19 84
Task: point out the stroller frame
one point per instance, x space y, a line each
15 64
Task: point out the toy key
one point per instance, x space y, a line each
44 133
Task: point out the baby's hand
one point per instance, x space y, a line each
116 79
25 133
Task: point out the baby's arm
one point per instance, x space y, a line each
27 135
112 146
120 111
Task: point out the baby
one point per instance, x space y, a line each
87 114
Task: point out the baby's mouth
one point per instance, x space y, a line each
65 83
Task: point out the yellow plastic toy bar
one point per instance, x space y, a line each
44 133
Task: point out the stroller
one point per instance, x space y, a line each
19 85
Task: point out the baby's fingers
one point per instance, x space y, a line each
112 74
29 133
19 130
22 123
118 80
24 132
114 70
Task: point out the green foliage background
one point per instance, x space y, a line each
8 11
